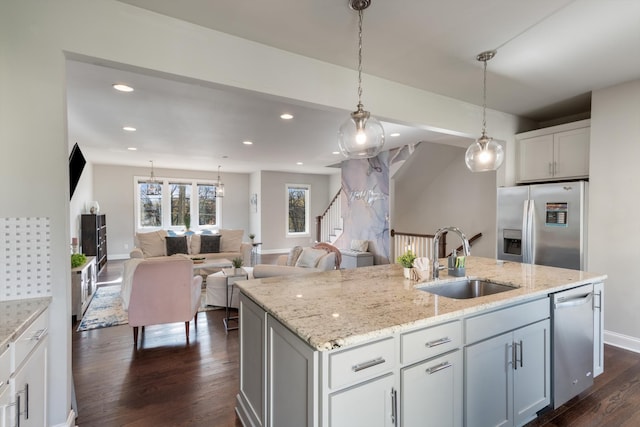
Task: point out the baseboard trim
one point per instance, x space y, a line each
70 422
623 341
274 251
118 256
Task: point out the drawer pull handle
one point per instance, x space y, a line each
39 334
368 364
440 367
436 343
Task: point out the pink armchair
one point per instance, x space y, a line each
157 291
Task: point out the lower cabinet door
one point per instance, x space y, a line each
431 392
489 382
532 371
370 404
30 388
6 410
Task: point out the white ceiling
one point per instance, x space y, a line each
551 55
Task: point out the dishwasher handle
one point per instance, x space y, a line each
573 301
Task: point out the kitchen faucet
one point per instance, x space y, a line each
436 242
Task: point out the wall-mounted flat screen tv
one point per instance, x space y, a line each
76 164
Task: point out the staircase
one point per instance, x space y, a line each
329 224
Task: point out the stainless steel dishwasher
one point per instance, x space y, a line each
572 343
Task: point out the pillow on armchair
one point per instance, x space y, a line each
309 257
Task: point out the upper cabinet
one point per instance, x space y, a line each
554 153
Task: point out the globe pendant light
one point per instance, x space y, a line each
485 154
361 136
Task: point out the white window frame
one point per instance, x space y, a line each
166 204
307 208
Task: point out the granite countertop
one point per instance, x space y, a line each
17 315
344 307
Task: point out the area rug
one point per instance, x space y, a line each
106 309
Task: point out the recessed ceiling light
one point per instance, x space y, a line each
247 142
122 88
286 116
129 128
394 134
299 163
132 148
335 152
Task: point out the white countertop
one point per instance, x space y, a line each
17 315
344 307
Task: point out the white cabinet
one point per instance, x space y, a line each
28 380
5 389
507 376
431 392
83 285
559 152
598 329
370 404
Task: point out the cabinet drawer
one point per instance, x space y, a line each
360 363
510 318
430 342
29 339
5 368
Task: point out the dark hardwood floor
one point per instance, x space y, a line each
169 383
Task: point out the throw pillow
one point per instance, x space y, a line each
309 257
152 244
210 244
176 245
294 253
359 245
230 240
194 244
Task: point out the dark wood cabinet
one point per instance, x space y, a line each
94 238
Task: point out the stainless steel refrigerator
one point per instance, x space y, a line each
544 224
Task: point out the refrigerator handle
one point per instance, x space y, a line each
525 236
531 231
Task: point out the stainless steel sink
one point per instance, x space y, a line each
467 288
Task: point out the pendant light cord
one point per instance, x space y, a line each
360 58
484 99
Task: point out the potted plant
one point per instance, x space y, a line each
237 264
406 260
252 236
187 221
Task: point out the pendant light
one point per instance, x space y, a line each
152 176
219 186
361 136
485 154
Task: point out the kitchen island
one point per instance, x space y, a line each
340 347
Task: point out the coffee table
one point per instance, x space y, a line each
232 275
210 263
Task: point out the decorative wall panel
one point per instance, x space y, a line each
25 258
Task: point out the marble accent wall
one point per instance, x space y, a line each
365 205
25 261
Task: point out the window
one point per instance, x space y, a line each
176 203
298 209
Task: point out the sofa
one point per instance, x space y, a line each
299 260
225 244
160 290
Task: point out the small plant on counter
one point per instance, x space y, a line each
187 221
237 262
252 236
77 260
407 258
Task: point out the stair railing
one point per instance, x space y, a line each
329 224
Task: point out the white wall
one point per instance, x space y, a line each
434 189
114 190
614 206
273 208
78 204
35 37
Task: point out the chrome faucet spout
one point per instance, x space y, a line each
436 242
